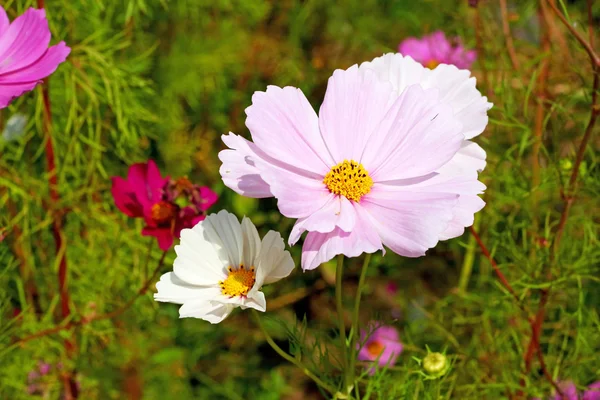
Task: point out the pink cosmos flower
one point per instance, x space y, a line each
167 206
382 345
434 49
388 161
569 392
25 58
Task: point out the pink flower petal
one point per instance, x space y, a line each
11 91
416 49
39 68
338 211
438 45
284 125
321 247
408 223
25 58
463 216
299 192
239 171
354 104
4 22
457 88
593 392
417 136
26 39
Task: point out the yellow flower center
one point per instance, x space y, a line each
375 348
163 212
350 179
238 281
431 64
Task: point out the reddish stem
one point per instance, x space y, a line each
507 36
499 273
70 384
536 324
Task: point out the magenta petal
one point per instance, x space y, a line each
4 22
415 48
207 198
440 46
593 392
25 41
40 68
146 182
155 182
162 235
125 198
9 92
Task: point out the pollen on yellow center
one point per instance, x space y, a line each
238 281
431 64
349 179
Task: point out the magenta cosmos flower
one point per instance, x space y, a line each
382 345
167 206
434 49
569 392
388 161
25 58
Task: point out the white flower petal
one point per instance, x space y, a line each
211 311
173 290
274 263
255 300
224 230
251 240
198 261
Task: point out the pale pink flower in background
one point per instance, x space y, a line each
25 58
435 49
382 345
388 161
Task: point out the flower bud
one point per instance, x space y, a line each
435 365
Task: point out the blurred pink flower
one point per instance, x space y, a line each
382 345
25 58
167 206
569 392
386 162
434 49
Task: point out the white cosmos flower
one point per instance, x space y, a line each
222 264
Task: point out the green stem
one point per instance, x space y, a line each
288 357
339 271
355 329
467 266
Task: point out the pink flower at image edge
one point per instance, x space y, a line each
434 49
25 58
146 194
